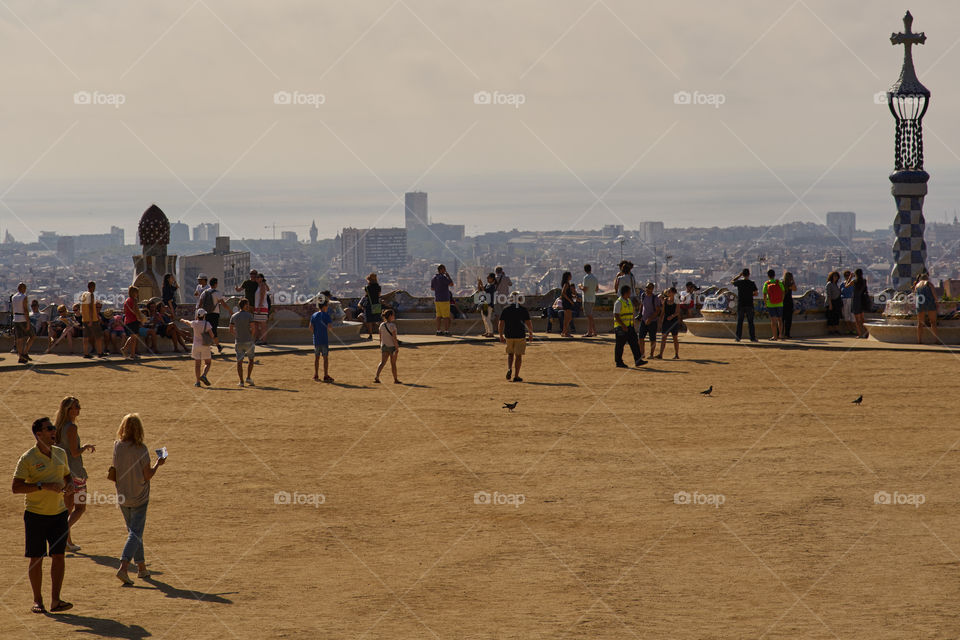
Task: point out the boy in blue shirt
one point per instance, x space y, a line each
321 339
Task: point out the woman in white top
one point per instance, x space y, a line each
202 341
389 345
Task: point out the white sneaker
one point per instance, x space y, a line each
73 548
250 382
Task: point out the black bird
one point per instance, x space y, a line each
707 392
510 405
858 401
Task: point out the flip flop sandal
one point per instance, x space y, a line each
63 606
38 608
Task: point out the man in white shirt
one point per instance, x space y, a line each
201 286
589 287
22 329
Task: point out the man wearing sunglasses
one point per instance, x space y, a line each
43 475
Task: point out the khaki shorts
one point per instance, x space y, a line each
22 330
443 309
516 346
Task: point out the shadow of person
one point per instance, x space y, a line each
266 388
349 386
552 384
103 561
415 385
188 594
102 627
46 372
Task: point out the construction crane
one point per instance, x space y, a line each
276 226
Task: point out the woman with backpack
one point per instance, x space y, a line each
568 300
860 303
773 300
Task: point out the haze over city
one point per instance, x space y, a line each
383 98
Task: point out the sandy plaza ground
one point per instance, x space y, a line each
610 504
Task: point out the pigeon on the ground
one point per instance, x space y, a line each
510 405
707 392
858 401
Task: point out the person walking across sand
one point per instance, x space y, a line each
202 343
132 474
516 330
240 327
589 287
389 345
624 333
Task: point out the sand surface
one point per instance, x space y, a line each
384 536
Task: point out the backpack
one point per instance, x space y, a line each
774 292
206 300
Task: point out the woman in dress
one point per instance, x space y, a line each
132 475
789 286
834 303
926 297
69 440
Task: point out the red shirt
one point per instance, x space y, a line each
130 312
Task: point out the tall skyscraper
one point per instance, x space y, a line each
206 232
381 250
415 214
179 232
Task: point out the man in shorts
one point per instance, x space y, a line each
43 476
319 322
240 328
773 299
516 330
92 331
441 284
650 306
22 329
589 287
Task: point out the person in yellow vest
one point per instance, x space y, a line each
624 331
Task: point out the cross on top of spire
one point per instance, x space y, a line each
908 82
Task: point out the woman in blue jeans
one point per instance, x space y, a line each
132 474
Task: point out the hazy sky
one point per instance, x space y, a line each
597 139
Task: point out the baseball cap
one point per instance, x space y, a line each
202 276
201 312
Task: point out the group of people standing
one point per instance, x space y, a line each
52 478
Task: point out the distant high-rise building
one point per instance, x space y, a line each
611 230
206 232
67 249
843 224
179 232
415 214
288 236
381 250
651 232
313 232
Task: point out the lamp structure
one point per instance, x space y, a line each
908 100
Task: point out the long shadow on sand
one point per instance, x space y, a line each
47 372
550 384
349 386
705 361
189 594
102 627
264 388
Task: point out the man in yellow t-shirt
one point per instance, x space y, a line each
43 476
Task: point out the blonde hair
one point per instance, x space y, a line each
63 415
131 429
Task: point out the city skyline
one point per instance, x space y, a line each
612 111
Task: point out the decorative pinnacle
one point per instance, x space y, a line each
908 83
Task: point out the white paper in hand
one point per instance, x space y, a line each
162 453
